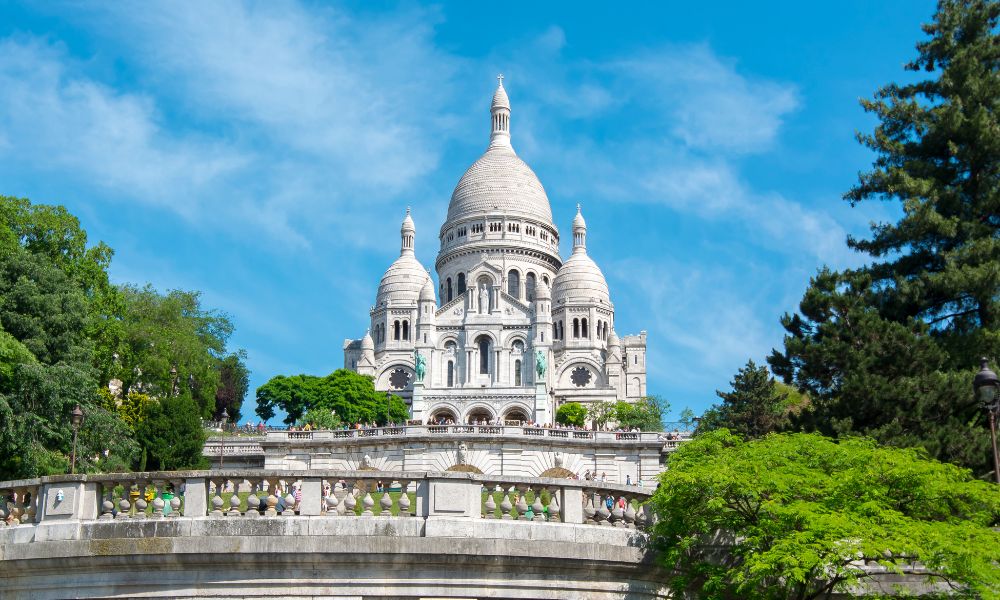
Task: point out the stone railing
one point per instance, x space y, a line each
670 440
252 494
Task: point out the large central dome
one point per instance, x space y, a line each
500 182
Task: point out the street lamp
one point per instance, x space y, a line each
222 442
76 418
987 388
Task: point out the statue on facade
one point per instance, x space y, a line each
463 451
484 299
419 365
366 463
540 365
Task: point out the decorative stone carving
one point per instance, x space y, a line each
463 454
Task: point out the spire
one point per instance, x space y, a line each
579 232
406 233
500 117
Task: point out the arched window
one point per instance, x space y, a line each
406 329
545 278
514 283
555 331
395 330
529 286
584 328
484 355
451 373
576 328
461 283
517 373
562 331
600 334
448 288
517 347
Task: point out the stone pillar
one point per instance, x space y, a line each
542 414
312 492
195 498
418 408
80 501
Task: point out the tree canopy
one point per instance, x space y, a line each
889 350
68 336
351 397
755 406
571 413
790 516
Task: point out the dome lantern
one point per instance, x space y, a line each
500 116
579 232
406 233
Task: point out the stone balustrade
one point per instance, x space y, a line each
253 494
488 430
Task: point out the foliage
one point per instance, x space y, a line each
753 408
788 516
321 419
571 413
646 414
172 436
601 413
888 350
350 396
234 381
687 418
67 332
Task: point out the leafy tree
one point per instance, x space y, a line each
571 413
601 413
646 414
888 350
687 418
234 381
350 396
753 408
321 419
132 408
171 436
790 515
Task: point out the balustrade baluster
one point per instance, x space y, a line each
29 506
272 500
506 506
386 501
140 500
234 502
253 500
491 505
537 507
588 506
331 500
158 502
175 501
289 504
217 501
554 508
404 499
367 503
629 513
350 501
107 504
124 506
522 503
602 514
641 519
617 515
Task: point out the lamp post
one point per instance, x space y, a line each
987 388
222 444
388 402
76 418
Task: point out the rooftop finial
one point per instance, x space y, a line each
577 208
500 79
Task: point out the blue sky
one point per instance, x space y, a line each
264 153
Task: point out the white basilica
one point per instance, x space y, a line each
513 331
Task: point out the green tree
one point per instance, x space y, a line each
171 436
321 419
350 396
646 414
234 381
601 413
888 350
789 515
753 408
571 413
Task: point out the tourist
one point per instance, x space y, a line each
628 480
604 477
621 502
587 475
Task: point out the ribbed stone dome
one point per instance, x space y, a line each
580 279
402 281
500 182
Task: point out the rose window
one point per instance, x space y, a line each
581 376
399 379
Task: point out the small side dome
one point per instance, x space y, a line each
405 277
427 292
579 279
613 341
367 343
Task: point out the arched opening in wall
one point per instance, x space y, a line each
529 287
517 373
583 329
395 330
633 387
451 373
576 328
406 330
545 278
599 331
479 416
443 416
484 282
448 288
461 283
484 354
555 331
562 331
514 283
515 416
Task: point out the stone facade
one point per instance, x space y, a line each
511 331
